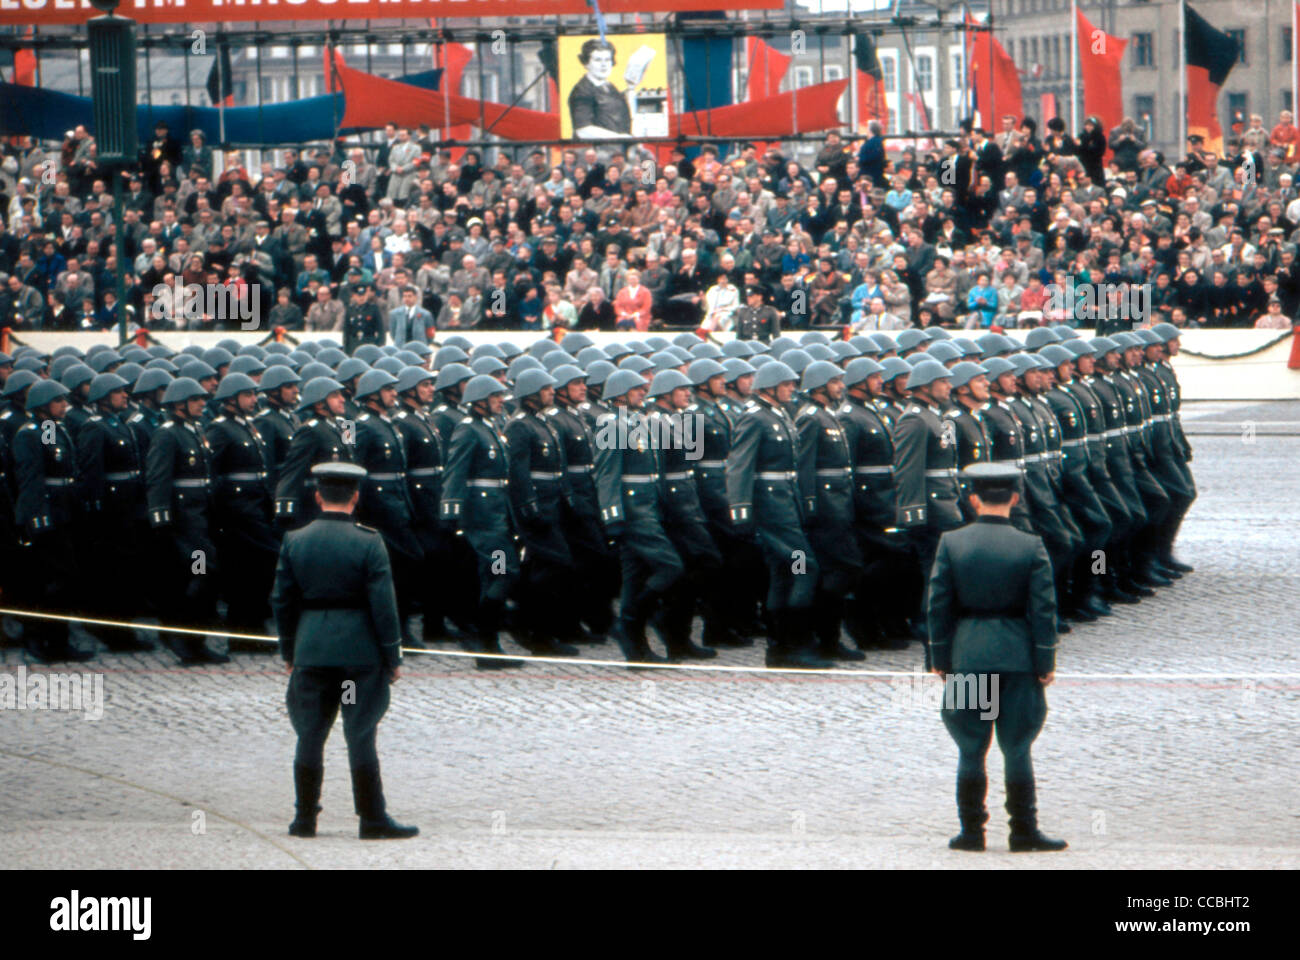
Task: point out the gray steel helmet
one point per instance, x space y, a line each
279 360
1064 331
759 359
197 370
531 382
681 353
813 336
996 366
331 356
819 373
217 357
895 367
757 347
926 372
736 348
452 374
1056 354
59 364
735 368
230 345
1042 361
1040 337
967 346
1166 331
158 350
104 384
487 350
18 381
819 351
539 348
991 343
943 351
276 377
283 349
409 358
372 381
663 360
317 389
388 350
310 371
666 381
129 371
781 344
685 340
936 333
369 352
104 359
390 364
509 349
133 355
234 383
67 350
410 377
639 346
193 350
521 363
912 359
465 343
322 343
964 372
1126 340
620 382
771 374
1080 347
449 355
573 342
1149 338
859 368
556 358
481 387
76 375
566 373
161 363
182 389
703 370
655 344
150 380
706 351
419 348
350 368
488 365
589 355
1022 362
796 359
302 357
44 392
910 338
309 347
636 364
251 350
245 363
865 345
844 350
598 372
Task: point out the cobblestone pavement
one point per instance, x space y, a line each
570 766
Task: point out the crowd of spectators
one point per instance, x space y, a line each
974 233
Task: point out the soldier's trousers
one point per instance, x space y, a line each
1020 709
314 698
51 587
887 590
597 565
791 564
651 566
118 541
836 547
497 560
742 586
247 572
702 564
189 572
546 584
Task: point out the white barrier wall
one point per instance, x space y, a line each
1261 376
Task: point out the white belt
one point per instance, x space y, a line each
640 478
1161 418
544 475
124 475
874 471
191 482
1116 432
678 476
580 468
1035 457
1133 428
946 474
834 472
386 477
424 472
1074 443
488 484
1018 461
769 475
711 465
59 481
246 477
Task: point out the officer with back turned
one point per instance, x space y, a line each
336 615
992 622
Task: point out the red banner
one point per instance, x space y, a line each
49 12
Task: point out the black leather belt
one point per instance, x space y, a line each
335 603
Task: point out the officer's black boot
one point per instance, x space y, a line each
829 612
488 640
368 795
1023 811
1112 589
799 647
409 639
971 812
306 784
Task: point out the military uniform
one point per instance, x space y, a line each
757 323
1119 466
277 425
1155 500
242 522
1166 461
974 445
424 466
319 440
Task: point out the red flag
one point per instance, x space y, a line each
817 108
1047 106
1211 55
456 56
993 77
872 104
25 63
767 68
1099 60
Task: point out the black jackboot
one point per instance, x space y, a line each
368 796
798 647
1023 812
306 784
488 640
971 812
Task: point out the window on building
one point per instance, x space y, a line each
1240 37
889 71
803 77
1056 56
958 71
279 52
1033 52
924 73
1237 108
1288 46
1144 53
1144 112
834 71
1286 100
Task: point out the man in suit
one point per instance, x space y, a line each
336 615
410 321
992 623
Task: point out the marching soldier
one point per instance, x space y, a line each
449 411
992 619
970 394
241 505
336 615
77 379
463 586
1163 368
45 475
280 387
325 436
475 502
148 415
110 460
766 504
179 479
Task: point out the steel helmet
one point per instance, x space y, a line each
102 360
1056 354
316 390
796 359
59 364
76 375
310 371
706 351
18 381
104 384
994 367
910 338
1079 347
390 364
1167 331
926 372
967 346
859 368
663 360
182 389
735 368
283 349
813 336
1126 340
197 370
620 382
864 344
230 345
912 359
531 382
129 371
636 364
158 350
452 374
566 373
615 350
598 372
556 358
150 380
245 363
279 360
589 355
1022 362
419 348
1040 337
509 350
757 346
161 363
488 365
703 370
943 351
449 355
666 381
369 352
234 383
44 392
685 340
331 356
350 368
774 373
780 345
217 357
1148 337
465 343
67 350
759 359
193 350
372 381
573 342
411 376
487 350
309 347
1104 345
844 350
481 387
1064 331
520 364
409 358
964 372
251 350
819 373
638 346
277 376
388 350
540 348
735 348
936 333
819 351
654 344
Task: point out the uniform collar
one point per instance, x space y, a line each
990 518
334 515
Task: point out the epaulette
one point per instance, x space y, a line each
692 406
585 405
362 526
169 423
467 420
313 421
807 411
6 415
364 417
750 406
220 419
135 417
402 415
551 411
94 416
913 409
845 409
518 415
441 407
